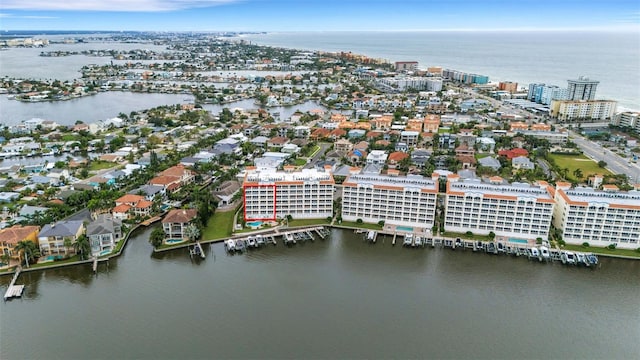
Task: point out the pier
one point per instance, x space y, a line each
197 250
150 221
14 290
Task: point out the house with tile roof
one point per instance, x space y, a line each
175 222
10 237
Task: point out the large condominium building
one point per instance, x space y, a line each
271 194
581 89
598 217
568 110
513 211
544 94
628 119
402 201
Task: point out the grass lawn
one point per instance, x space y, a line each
100 165
312 151
599 250
307 222
49 263
299 162
220 225
482 155
360 225
573 162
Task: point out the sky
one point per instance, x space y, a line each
319 15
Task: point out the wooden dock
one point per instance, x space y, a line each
197 250
150 221
14 290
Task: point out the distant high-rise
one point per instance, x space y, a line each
582 89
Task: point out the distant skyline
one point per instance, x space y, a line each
319 15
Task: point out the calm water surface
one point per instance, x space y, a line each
338 298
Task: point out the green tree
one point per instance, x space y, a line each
192 232
577 173
82 247
157 237
67 244
29 250
602 163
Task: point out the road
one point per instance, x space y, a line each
615 163
312 161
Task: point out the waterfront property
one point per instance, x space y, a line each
511 210
175 222
103 233
52 237
598 217
271 194
396 200
10 237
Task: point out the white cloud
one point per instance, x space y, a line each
13 16
110 5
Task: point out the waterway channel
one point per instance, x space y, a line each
337 298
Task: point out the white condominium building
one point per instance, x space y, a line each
598 217
271 194
398 200
567 110
514 211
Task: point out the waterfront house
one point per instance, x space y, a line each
10 237
176 221
52 236
226 191
103 233
121 212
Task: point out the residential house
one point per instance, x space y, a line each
103 233
175 222
410 137
226 191
431 123
522 162
464 150
490 162
394 159
420 157
513 153
51 238
277 142
378 157
10 237
342 146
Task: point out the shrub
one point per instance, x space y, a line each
561 242
611 246
381 222
359 221
469 233
638 250
585 244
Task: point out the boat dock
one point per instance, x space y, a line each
14 290
291 237
150 221
541 253
197 250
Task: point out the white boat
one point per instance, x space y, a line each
251 241
259 240
408 240
230 245
593 260
535 253
371 236
568 257
544 252
418 241
581 259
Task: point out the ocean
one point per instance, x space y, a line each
613 58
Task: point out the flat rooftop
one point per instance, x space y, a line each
513 189
591 196
271 175
415 181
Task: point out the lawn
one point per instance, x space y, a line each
299 162
312 151
363 225
220 225
605 251
96 165
307 222
451 234
573 162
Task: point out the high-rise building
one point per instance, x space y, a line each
598 217
582 89
544 94
271 194
569 110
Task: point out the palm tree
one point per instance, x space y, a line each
82 246
67 244
29 249
577 173
192 232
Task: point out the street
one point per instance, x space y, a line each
615 163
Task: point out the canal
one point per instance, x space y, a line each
337 298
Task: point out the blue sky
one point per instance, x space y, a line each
318 15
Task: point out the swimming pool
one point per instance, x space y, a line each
53 257
104 252
173 241
518 241
254 224
404 228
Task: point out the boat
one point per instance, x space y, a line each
288 239
230 245
501 248
251 242
568 257
418 241
592 259
491 248
544 252
535 253
408 240
371 236
259 240
241 245
479 246
581 259
458 242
